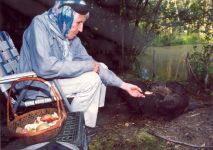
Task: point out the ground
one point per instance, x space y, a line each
119 129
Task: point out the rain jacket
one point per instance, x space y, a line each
43 51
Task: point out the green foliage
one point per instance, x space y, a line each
176 39
190 15
133 25
148 141
202 62
140 139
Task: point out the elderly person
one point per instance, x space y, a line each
52 50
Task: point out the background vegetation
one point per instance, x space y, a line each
129 27
119 30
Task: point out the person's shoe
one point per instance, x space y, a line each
90 132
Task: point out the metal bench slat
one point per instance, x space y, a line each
3 45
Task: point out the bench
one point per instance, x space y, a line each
9 58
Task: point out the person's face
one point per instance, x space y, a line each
77 25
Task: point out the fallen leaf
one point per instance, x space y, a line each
126 124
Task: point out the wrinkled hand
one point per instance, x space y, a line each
132 89
96 67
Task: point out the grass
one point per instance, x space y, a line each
177 39
137 140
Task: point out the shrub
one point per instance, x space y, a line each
201 62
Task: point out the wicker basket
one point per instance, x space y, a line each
30 117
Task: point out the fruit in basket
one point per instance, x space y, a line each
31 127
53 123
32 130
55 116
24 131
19 130
38 119
49 117
40 123
46 118
42 126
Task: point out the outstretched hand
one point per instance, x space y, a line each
132 89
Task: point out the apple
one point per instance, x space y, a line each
46 118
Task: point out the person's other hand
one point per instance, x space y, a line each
132 89
96 67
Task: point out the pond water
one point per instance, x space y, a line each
164 63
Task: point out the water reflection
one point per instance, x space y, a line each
165 63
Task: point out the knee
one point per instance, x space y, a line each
93 78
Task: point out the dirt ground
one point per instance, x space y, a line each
119 129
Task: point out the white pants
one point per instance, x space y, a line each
89 94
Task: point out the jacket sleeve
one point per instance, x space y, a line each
44 63
107 76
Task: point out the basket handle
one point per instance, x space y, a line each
57 97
